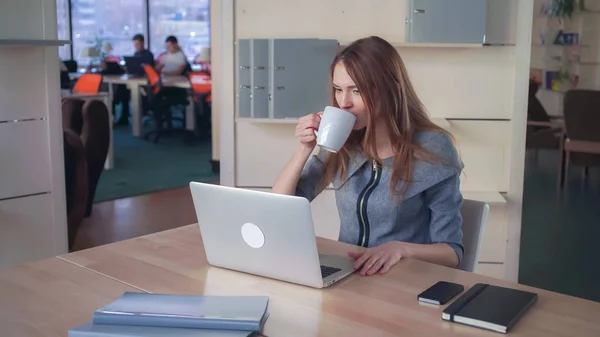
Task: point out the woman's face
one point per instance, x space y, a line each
348 97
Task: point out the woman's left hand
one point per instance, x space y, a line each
378 259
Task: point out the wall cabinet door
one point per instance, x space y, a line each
461 21
442 21
24 167
26 230
283 78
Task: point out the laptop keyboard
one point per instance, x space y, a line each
326 271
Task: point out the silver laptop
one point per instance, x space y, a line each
265 234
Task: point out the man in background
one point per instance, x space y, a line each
122 94
174 62
140 50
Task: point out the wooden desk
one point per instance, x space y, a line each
49 297
382 305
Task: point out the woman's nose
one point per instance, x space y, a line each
346 102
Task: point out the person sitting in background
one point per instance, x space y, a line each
147 58
65 80
122 94
174 61
140 50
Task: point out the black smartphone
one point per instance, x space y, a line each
441 292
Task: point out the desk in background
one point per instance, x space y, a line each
134 84
382 305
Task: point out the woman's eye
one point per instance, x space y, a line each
355 91
338 90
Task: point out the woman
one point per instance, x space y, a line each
397 177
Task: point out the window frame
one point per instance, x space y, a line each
146 28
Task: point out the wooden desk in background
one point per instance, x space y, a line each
134 84
173 261
49 297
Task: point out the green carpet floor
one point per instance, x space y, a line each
144 167
559 236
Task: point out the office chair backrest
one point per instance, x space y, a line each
201 82
153 78
88 84
71 114
535 110
76 183
95 136
71 65
475 215
582 119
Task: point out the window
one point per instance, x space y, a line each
105 25
187 20
62 25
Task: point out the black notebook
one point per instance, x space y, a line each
490 307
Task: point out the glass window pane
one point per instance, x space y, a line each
187 20
62 25
98 22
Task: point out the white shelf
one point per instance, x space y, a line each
267 120
23 42
426 45
443 122
487 197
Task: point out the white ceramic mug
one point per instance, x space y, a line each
334 128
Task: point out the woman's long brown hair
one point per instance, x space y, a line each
383 82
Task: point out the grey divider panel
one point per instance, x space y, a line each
260 78
299 71
243 78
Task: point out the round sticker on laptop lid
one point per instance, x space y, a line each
253 236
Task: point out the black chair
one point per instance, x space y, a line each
162 99
541 132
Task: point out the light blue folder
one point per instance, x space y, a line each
103 330
246 313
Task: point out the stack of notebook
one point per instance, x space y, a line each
142 314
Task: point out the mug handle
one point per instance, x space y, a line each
315 130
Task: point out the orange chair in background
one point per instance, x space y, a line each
88 84
153 78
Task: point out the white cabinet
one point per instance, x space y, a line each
33 220
26 229
22 19
461 21
25 158
495 270
483 147
263 149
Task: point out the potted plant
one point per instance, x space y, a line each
561 8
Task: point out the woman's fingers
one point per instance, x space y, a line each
376 266
305 128
370 263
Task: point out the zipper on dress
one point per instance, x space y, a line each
363 220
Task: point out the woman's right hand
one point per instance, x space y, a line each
305 129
